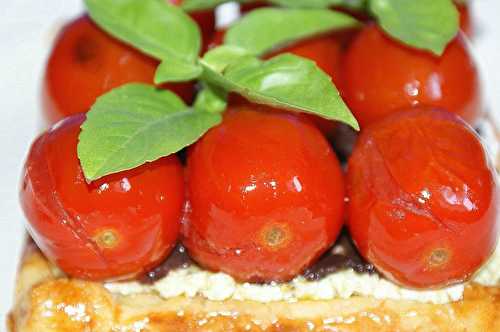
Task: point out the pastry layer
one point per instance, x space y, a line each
46 302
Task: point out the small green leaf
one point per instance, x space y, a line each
424 24
264 29
286 81
174 71
156 28
211 99
135 124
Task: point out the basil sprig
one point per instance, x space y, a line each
137 123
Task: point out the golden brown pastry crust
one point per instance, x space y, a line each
45 302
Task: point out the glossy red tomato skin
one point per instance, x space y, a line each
266 196
423 198
117 227
381 76
86 62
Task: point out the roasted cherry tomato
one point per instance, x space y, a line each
86 62
381 76
466 23
423 198
116 227
266 196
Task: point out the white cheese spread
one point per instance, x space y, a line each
193 281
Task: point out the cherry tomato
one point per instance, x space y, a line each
86 62
381 76
465 19
117 227
423 198
266 196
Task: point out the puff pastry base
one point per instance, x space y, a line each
47 302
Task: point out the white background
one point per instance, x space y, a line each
27 28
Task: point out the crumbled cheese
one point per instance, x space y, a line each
193 281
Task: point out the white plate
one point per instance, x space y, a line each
27 28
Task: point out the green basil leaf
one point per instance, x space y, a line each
423 24
135 124
286 81
175 71
156 28
211 99
263 29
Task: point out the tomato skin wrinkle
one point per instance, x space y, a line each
381 76
116 227
266 194
422 208
85 62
